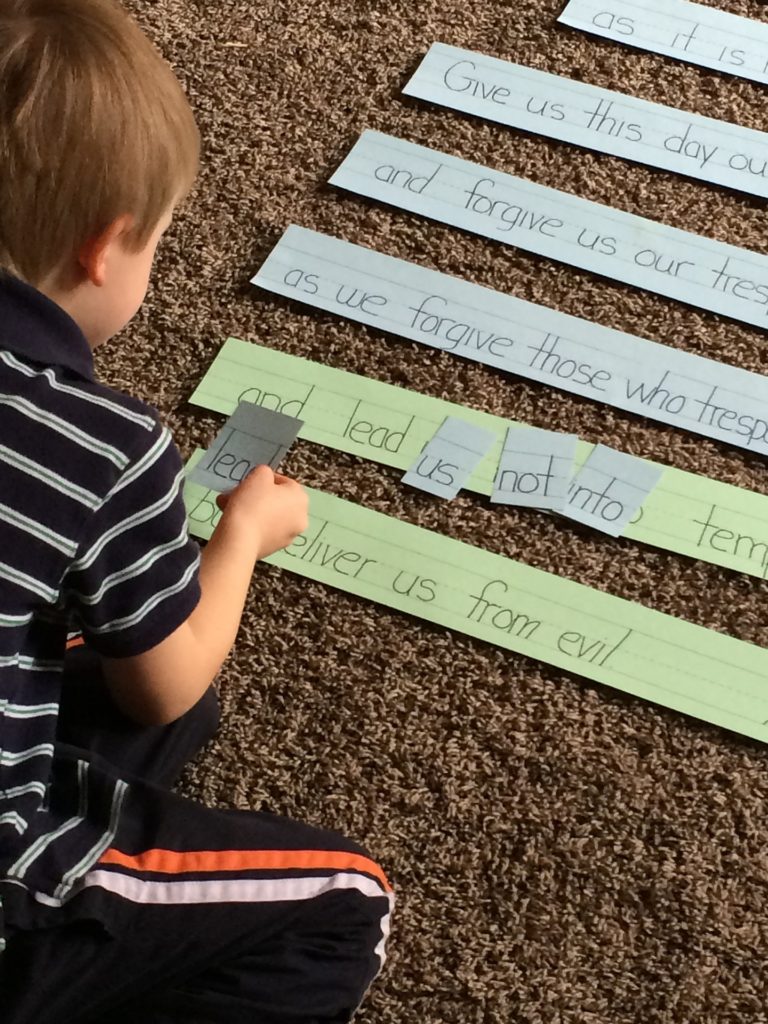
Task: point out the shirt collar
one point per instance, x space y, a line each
34 327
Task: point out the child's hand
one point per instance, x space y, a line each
270 507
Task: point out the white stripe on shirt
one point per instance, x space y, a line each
132 571
47 476
17 791
41 844
28 710
117 625
48 419
14 621
28 664
16 820
38 530
10 758
148 422
137 519
158 449
21 579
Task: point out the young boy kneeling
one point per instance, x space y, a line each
120 901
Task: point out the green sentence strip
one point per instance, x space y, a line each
688 514
642 652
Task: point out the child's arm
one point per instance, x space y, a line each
264 514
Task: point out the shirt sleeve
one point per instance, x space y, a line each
134 579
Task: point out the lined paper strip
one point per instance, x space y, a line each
644 253
586 115
642 652
575 355
688 514
689 32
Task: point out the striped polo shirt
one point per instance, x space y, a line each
93 536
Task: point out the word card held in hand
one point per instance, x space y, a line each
252 436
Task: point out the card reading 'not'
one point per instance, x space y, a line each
449 459
252 436
536 469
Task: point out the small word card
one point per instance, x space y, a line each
450 457
252 436
536 468
610 489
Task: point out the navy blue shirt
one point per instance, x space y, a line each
93 536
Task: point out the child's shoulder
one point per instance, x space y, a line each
113 408
77 421
131 426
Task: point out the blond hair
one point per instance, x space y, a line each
93 125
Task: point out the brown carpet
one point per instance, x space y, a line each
563 854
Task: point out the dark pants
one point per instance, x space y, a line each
203 915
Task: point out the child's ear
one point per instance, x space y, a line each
94 254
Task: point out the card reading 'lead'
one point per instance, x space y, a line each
253 436
610 489
449 459
536 469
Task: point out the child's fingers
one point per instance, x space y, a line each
263 472
257 477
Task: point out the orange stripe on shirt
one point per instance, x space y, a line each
173 862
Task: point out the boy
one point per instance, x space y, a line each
120 900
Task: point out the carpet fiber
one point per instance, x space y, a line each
563 854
